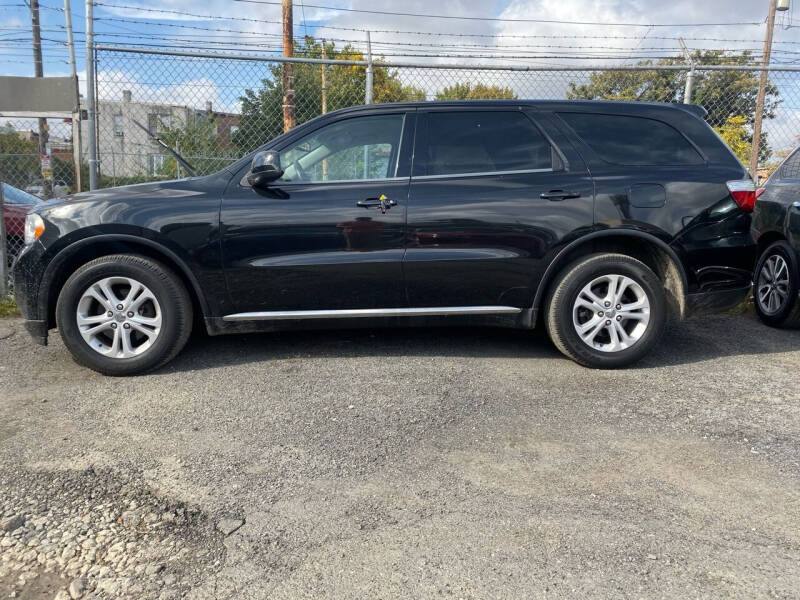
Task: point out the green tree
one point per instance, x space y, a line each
736 135
724 94
199 144
479 91
19 160
262 108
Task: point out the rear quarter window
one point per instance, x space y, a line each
634 141
791 168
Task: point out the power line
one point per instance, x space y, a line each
499 19
362 30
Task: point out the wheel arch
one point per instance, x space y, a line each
652 251
70 258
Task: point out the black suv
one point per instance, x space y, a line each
776 229
598 220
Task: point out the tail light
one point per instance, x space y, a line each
743 192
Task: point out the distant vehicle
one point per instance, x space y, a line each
60 189
16 205
776 229
596 220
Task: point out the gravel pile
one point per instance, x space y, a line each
94 534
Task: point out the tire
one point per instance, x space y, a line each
568 307
155 330
773 309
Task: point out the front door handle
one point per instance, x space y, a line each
381 201
559 195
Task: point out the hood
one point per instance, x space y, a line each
171 190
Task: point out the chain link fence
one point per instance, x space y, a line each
21 173
215 108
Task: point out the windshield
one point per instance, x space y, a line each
12 195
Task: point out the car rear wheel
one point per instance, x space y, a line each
124 314
776 287
606 310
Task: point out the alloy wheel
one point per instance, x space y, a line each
611 313
119 317
773 284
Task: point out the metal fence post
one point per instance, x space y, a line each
3 248
368 91
90 95
687 92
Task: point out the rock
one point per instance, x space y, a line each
131 518
77 588
228 526
62 595
651 557
12 523
154 569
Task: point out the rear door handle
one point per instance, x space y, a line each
559 195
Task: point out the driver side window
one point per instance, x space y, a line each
351 149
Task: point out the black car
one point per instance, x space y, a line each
776 229
596 220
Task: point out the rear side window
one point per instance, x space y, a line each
482 142
791 168
624 140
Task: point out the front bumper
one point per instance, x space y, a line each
27 272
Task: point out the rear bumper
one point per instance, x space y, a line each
709 303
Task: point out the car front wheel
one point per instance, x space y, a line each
776 287
606 310
124 314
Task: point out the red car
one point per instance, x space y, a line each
16 205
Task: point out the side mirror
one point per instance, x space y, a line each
265 168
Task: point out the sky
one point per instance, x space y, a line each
523 32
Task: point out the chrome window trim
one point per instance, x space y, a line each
280 315
485 173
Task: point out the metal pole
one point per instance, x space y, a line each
324 81
76 112
44 136
368 94
90 95
687 92
289 119
762 90
3 248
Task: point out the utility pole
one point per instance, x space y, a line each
76 112
44 145
91 124
762 88
289 120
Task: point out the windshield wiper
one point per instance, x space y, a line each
189 168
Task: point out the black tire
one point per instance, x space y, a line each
788 314
166 286
564 293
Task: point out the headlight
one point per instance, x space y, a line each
34 227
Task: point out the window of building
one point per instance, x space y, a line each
156 163
119 128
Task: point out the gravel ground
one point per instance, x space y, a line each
405 464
